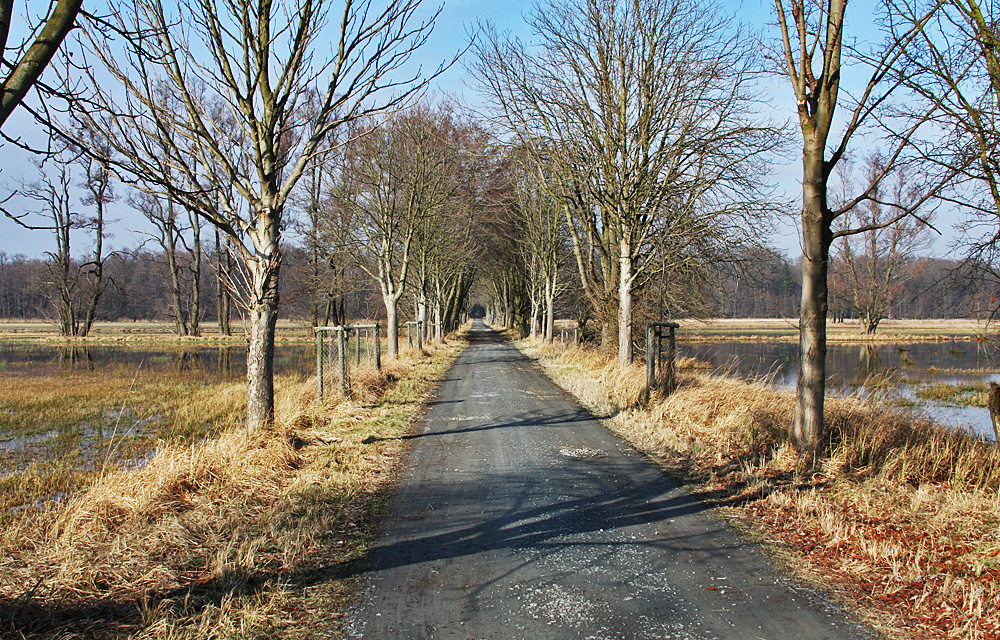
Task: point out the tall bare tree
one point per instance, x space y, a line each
261 60
78 285
545 240
635 105
98 193
813 53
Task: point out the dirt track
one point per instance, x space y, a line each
519 516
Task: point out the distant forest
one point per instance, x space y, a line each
768 286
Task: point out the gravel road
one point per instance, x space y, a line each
520 517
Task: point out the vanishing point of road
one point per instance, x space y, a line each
519 517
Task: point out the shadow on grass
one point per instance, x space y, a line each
30 617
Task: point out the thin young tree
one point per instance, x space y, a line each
813 58
262 61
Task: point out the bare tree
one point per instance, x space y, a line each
545 239
634 104
877 263
78 286
812 42
180 256
99 192
262 62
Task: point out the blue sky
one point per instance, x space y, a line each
456 21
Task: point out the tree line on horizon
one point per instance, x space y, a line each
140 290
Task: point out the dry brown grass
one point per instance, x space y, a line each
903 517
248 535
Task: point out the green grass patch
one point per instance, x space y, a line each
964 394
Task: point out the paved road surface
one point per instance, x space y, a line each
520 517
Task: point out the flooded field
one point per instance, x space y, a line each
944 380
70 413
225 361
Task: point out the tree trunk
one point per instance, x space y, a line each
97 275
222 293
391 326
625 304
534 318
550 310
196 275
175 280
807 431
260 354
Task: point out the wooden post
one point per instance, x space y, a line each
319 364
420 335
670 383
650 358
993 402
409 335
357 347
377 346
345 378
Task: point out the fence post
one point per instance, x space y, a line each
377 346
319 364
420 335
670 383
650 358
409 335
345 378
357 347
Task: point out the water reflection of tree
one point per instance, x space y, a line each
869 364
72 357
186 360
225 360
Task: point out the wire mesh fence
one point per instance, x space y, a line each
338 348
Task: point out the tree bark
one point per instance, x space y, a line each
391 326
625 304
550 310
807 431
28 69
260 352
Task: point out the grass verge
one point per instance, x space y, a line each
242 535
903 521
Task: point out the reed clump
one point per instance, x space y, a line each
248 534
901 517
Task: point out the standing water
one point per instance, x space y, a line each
903 374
